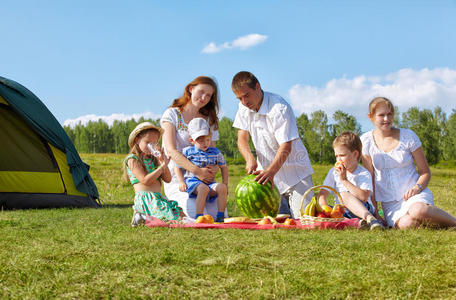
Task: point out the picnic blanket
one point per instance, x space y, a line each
347 223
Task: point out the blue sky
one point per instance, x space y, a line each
118 59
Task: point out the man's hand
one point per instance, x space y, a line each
263 176
251 166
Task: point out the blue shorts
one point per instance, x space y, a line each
350 215
193 182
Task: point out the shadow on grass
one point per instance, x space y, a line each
115 205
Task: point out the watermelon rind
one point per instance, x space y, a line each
255 200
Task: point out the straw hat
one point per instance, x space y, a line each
140 128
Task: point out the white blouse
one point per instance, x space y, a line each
174 116
394 171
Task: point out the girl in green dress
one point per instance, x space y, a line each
145 167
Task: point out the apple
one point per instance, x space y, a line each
338 211
322 215
338 165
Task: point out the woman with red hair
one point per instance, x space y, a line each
200 100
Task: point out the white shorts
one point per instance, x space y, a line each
189 205
394 210
295 194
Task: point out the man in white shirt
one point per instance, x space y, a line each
282 158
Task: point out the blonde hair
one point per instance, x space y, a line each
350 140
376 102
139 154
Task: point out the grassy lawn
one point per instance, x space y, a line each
94 253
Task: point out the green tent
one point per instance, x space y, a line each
39 166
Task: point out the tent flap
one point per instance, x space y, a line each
37 116
30 182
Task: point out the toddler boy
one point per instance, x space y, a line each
202 154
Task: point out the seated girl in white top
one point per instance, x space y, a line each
389 154
200 100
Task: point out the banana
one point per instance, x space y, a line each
307 209
318 208
312 209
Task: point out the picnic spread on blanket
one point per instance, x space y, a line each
254 224
260 210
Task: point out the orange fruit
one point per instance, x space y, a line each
209 219
290 222
200 219
205 219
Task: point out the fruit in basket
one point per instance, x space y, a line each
256 200
289 222
322 215
205 219
327 210
338 211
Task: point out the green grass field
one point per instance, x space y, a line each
94 253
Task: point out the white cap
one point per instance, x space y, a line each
198 127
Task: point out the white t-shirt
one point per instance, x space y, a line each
394 171
174 116
360 178
273 125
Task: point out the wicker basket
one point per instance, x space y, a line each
305 219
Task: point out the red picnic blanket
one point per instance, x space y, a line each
346 223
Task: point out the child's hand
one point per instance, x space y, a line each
164 160
341 170
182 187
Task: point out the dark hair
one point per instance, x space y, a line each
244 78
211 109
350 140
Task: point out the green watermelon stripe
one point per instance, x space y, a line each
255 200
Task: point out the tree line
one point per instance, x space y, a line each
436 132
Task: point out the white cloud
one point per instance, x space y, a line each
243 43
120 117
426 88
109 119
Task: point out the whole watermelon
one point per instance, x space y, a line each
256 200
